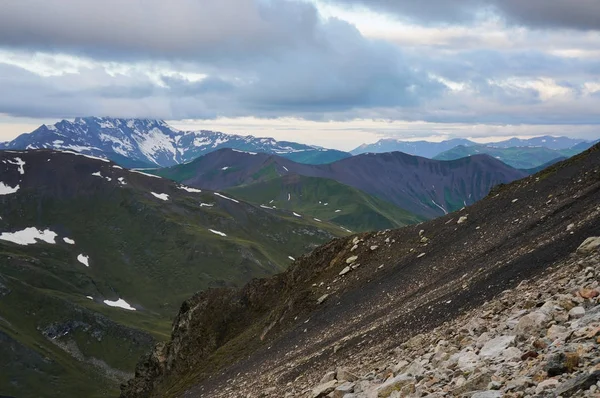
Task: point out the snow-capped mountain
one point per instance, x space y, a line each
152 143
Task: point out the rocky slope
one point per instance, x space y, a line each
95 261
150 143
360 303
424 187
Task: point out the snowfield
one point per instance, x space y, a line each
191 190
161 196
7 190
225 197
29 236
120 303
85 260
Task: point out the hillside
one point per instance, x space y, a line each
424 187
359 302
517 157
95 261
146 143
326 200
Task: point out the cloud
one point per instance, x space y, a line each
569 14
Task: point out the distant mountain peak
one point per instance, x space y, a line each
153 142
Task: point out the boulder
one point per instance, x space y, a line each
346 375
341 391
327 377
589 245
396 384
487 394
578 384
494 348
531 324
345 271
576 313
468 361
352 259
323 389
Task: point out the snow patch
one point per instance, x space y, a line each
291 258
89 297
98 174
161 196
19 163
120 303
206 205
122 181
285 168
69 241
317 220
29 236
296 214
7 190
225 168
249 153
85 260
217 232
145 174
225 197
188 189
441 207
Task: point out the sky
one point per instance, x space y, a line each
335 73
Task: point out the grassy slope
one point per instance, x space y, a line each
152 253
309 196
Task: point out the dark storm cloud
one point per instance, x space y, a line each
179 29
570 14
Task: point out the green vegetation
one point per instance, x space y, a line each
154 254
326 200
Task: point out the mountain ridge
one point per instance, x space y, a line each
146 143
351 302
422 186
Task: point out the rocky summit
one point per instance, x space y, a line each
497 299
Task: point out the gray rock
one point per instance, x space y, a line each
395 384
327 377
487 394
511 353
344 374
576 313
589 245
493 348
578 384
343 390
345 271
468 362
352 259
323 389
531 324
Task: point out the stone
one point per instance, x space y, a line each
346 375
322 298
576 313
468 361
493 348
511 353
546 385
589 245
395 384
561 363
374 247
323 389
414 369
487 394
588 293
327 377
341 391
530 324
352 259
578 384
462 220
345 271
558 333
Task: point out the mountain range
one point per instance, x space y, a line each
349 310
434 149
144 143
424 187
95 260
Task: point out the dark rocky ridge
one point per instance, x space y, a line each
273 331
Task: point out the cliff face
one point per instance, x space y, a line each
354 300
